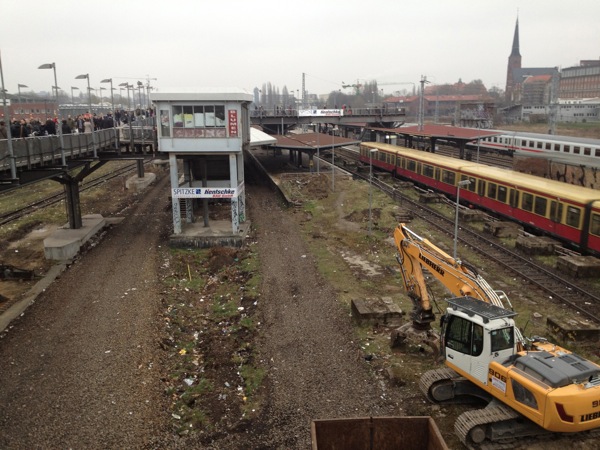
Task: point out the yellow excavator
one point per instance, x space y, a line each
532 387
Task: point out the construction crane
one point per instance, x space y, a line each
356 86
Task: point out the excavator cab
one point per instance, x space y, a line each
475 334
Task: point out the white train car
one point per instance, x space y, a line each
567 149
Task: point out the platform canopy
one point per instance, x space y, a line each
259 138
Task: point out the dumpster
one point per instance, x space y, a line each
380 433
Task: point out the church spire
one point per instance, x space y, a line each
515 46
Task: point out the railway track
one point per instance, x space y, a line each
558 288
52 199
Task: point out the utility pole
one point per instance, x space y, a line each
553 101
422 102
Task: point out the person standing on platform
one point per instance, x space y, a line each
87 126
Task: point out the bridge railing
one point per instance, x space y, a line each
39 151
316 112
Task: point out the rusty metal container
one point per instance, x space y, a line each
380 433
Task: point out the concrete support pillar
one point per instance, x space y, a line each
187 181
175 202
242 186
72 200
233 182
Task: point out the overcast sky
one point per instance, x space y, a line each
245 43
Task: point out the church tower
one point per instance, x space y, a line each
514 62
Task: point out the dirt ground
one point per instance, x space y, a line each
97 361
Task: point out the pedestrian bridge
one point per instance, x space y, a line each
278 120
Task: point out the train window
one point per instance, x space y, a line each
502 194
527 202
573 216
437 173
587 151
540 144
531 144
556 147
411 165
448 177
428 171
514 198
418 167
576 150
556 209
491 192
540 206
598 152
548 146
567 149
473 185
595 225
481 188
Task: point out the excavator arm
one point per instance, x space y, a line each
416 254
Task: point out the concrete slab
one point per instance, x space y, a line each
218 233
138 184
503 229
382 311
579 266
63 244
537 245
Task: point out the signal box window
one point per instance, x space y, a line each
573 216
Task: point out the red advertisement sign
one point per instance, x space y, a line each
233 124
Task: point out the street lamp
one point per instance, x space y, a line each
19 86
59 124
101 97
460 184
139 85
73 88
127 86
86 76
371 152
112 97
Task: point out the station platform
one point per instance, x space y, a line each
217 233
64 243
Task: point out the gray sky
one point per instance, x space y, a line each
244 43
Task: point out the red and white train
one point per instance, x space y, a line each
567 212
562 148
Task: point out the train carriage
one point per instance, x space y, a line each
567 212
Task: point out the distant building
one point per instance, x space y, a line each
581 82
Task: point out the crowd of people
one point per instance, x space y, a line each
82 123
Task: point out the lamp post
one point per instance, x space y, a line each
139 85
53 67
127 86
101 97
86 76
73 88
112 102
19 86
59 124
333 163
460 184
371 152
